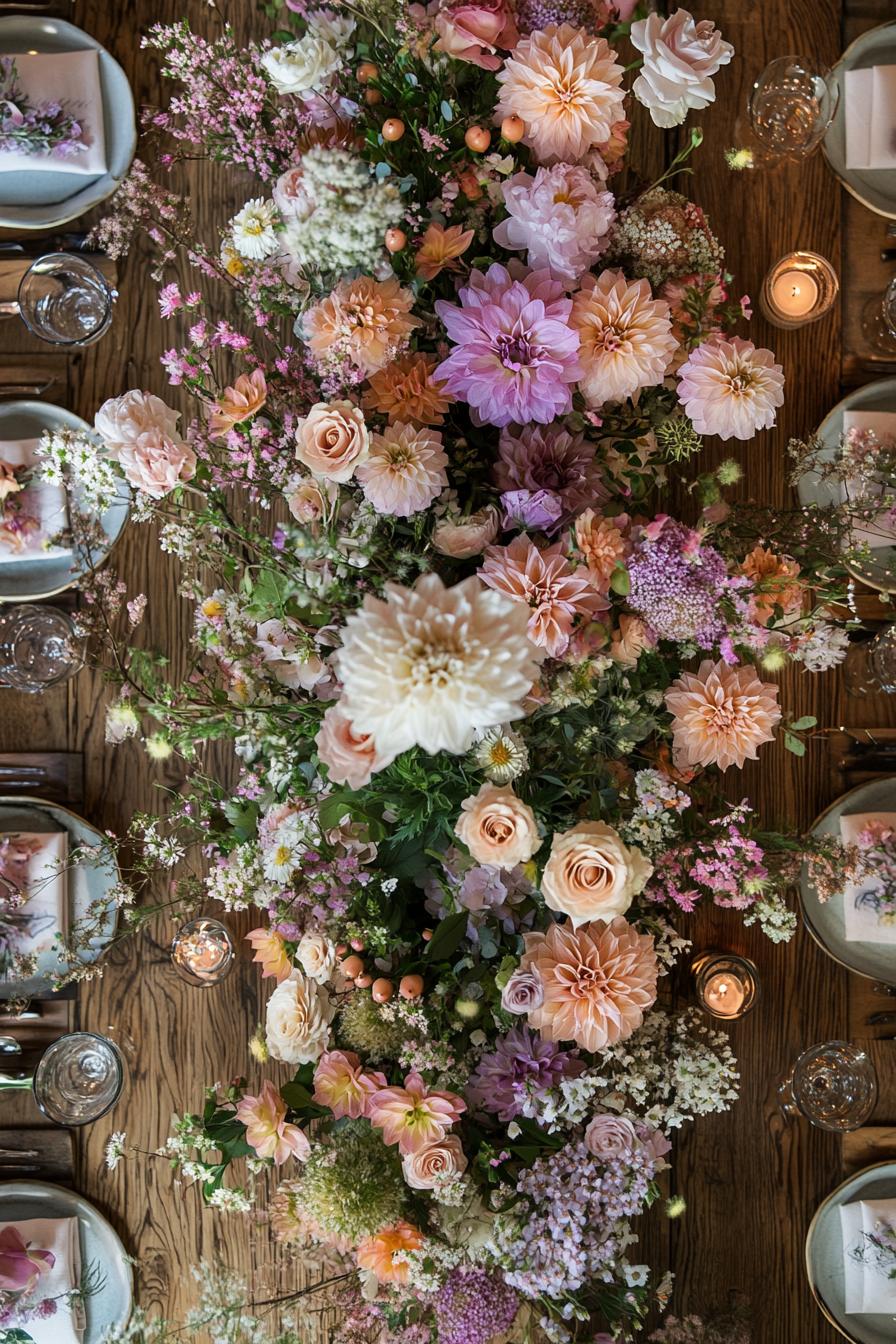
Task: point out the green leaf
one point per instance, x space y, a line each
15 1336
447 937
794 744
620 581
800 725
332 811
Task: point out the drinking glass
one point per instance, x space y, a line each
879 321
65 300
833 1085
39 648
79 1078
792 104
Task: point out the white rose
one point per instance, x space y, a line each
592 873
438 1162
680 58
298 1021
317 956
303 66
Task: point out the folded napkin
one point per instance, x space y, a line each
860 920
868 1289
880 423
871 117
73 79
39 503
35 862
60 1236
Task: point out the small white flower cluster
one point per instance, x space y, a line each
772 914
177 539
115 1148
340 214
658 806
430 1265
238 881
73 459
825 647
230 1199
166 850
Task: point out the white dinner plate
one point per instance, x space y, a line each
100 1246
87 883
46 200
824 1256
880 570
824 919
37 577
874 187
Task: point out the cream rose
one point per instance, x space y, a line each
463 537
317 956
303 66
350 757
497 827
298 1020
592 873
332 440
436 1163
680 58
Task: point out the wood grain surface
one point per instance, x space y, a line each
751 1181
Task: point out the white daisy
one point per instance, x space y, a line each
502 755
253 231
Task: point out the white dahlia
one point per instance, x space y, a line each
430 666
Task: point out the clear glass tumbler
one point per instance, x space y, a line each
79 1078
792 104
65 300
879 321
39 648
833 1085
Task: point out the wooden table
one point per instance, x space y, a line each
750 1180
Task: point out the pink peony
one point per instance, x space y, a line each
404 470
476 32
343 1085
625 334
730 388
350 757
515 356
266 1129
412 1116
559 218
544 579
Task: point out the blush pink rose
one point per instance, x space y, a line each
332 440
463 537
609 1135
475 32
350 757
154 463
438 1162
497 827
121 420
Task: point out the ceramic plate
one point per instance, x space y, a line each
86 883
100 1244
824 920
45 200
874 187
824 1256
36 578
880 571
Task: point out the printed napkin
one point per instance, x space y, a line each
61 1237
31 516
871 117
72 78
34 862
868 1289
880 423
860 919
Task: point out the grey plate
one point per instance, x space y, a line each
824 1256
880 571
86 883
824 920
99 1242
38 200
33 579
874 187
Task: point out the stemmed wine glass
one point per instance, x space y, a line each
791 106
879 321
833 1085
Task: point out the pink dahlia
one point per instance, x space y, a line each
556 591
730 388
566 86
552 461
404 471
721 715
626 337
558 217
515 355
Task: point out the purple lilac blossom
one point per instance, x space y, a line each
473 1306
677 584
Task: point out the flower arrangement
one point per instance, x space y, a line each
480 686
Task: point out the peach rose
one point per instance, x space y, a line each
436 1163
350 757
592 873
332 439
462 538
497 827
310 500
155 463
238 403
474 32
121 420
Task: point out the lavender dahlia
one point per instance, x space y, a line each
520 1066
553 461
473 1306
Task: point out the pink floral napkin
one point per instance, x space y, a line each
72 78
871 117
32 515
861 920
41 1259
34 865
868 1289
883 425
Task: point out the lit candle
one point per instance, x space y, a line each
727 985
724 994
203 950
795 293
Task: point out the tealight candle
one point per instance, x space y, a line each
202 952
800 288
727 985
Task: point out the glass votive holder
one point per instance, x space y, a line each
727 985
202 952
800 288
792 104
